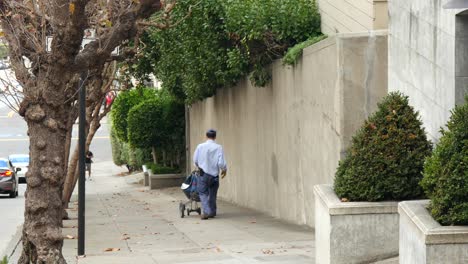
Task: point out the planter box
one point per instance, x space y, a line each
425 241
353 232
160 181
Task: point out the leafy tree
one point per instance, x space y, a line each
446 171
222 42
387 155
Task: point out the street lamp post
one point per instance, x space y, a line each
81 166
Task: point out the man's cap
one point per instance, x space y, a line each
211 133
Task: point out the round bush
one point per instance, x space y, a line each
446 172
386 157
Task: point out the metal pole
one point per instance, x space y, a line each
81 167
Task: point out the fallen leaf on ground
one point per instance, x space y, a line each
70 237
111 249
268 251
344 200
253 222
125 238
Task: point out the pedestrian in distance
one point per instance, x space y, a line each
209 159
88 161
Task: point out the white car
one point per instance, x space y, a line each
20 161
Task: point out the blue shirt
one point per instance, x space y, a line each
209 157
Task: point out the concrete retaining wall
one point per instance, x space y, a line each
283 139
428 58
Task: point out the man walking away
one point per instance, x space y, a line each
209 158
88 161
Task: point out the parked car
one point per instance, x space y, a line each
8 180
20 161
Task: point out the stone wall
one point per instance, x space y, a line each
283 139
428 49
341 16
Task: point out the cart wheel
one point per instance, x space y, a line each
182 210
188 212
199 211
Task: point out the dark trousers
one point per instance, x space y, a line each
208 186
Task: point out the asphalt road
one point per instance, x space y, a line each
14 140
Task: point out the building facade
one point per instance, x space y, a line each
428 58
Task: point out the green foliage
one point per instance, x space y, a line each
446 171
158 123
122 105
123 154
4 260
117 149
158 169
387 155
294 53
146 125
137 157
222 41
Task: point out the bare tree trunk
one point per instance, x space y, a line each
42 230
178 159
155 155
73 173
171 159
164 158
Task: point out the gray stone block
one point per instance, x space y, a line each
146 178
425 241
160 181
353 232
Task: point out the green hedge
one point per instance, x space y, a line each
386 157
446 171
124 154
158 169
122 105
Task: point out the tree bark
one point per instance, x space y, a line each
42 230
155 155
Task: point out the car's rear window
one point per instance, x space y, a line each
20 160
3 163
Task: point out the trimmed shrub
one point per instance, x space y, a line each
158 169
386 157
446 171
122 105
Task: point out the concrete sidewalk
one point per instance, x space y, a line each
144 226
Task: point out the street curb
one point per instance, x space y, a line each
13 246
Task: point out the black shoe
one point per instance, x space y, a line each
204 217
211 216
